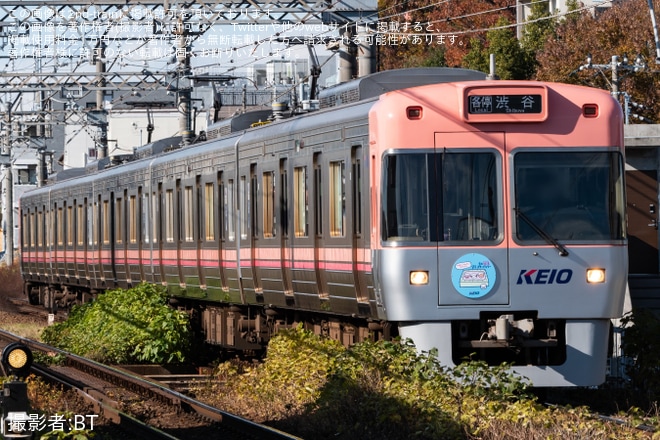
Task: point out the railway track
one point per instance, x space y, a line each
109 389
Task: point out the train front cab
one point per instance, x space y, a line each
502 234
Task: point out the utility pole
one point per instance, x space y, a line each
184 84
8 213
101 117
616 67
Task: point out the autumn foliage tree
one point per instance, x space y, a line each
625 28
465 20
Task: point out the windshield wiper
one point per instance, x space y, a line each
547 237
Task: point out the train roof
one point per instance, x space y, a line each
376 84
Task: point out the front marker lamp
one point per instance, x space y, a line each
595 276
419 277
16 359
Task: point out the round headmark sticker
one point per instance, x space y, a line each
473 275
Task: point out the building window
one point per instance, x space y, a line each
300 203
27 176
337 199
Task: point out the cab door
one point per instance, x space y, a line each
472 249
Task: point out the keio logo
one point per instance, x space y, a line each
545 276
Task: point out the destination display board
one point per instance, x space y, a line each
504 101
505 104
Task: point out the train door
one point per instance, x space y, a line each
361 251
107 245
286 253
642 198
473 256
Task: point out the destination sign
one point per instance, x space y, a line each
497 104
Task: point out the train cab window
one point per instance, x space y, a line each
406 199
300 202
268 188
209 212
469 196
570 196
444 197
337 199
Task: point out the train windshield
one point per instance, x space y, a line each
570 196
441 197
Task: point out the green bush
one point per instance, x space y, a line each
124 326
315 388
642 345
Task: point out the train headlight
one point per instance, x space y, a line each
16 359
595 276
419 277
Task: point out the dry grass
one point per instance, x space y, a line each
11 283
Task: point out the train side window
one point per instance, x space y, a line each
25 228
337 199
144 215
33 228
209 212
69 225
169 216
188 213
244 203
155 220
318 200
230 210
132 220
40 229
284 202
268 185
80 225
60 226
119 224
300 202
106 222
357 197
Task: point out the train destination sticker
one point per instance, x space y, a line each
473 275
491 104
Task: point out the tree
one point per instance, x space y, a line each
462 19
511 61
625 28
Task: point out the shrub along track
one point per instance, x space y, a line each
158 412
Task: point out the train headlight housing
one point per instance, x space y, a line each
419 277
595 276
16 359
